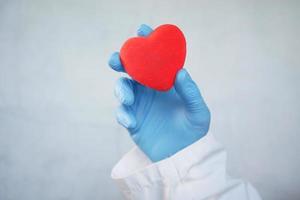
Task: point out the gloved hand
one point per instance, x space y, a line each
160 123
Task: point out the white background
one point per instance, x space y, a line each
58 134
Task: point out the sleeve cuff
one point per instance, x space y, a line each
136 171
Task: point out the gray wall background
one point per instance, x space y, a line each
58 135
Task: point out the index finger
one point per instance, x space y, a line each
115 61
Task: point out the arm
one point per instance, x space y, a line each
196 172
174 157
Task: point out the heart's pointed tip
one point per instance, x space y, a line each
163 87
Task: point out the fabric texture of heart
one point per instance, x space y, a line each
154 60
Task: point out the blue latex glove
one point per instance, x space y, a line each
161 123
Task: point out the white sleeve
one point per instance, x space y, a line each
196 172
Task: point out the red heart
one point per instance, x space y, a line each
154 60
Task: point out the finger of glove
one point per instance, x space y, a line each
188 91
125 117
124 91
144 30
115 62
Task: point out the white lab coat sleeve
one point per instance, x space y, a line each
196 172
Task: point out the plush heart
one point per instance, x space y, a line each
155 59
